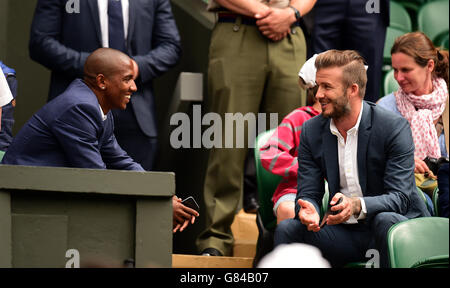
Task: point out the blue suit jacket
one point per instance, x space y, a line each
62 41
385 163
69 132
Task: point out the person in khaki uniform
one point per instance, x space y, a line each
255 52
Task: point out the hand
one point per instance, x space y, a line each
276 24
263 12
277 36
348 207
185 223
182 215
135 69
420 166
308 215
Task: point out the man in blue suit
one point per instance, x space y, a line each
76 128
64 33
367 156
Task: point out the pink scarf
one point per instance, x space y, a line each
429 108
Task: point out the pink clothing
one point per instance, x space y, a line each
279 154
421 111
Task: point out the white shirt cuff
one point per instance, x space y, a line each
363 213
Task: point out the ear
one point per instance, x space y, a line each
353 90
100 81
430 65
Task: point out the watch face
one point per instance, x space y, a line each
297 14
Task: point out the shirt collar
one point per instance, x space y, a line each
353 130
104 117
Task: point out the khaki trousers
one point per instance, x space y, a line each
247 73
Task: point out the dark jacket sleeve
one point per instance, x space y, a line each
165 42
398 174
78 131
45 46
311 185
113 155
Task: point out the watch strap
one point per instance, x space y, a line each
297 13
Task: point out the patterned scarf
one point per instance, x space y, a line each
429 108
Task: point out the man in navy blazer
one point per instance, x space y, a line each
64 33
76 128
366 154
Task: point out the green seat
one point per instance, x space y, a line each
439 261
399 17
420 242
267 183
424 199
435 201
1 155
432 19
389 83
412 6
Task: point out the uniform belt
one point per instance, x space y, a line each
229 17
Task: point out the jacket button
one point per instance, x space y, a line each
236 28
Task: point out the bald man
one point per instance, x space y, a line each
76 128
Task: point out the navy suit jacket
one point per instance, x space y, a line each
62 41
69 132
385 159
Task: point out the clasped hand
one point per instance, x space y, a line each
274 23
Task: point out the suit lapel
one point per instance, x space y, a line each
363 140
330 158
93 7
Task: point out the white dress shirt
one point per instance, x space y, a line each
5 93
103 14
348 165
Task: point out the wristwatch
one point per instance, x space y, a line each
297 13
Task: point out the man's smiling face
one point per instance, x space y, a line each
120 85
332 93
